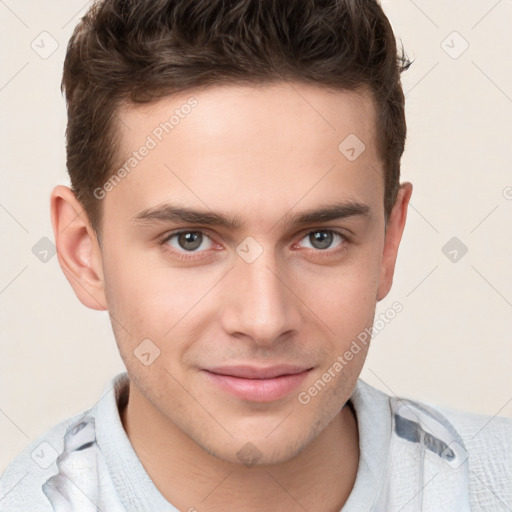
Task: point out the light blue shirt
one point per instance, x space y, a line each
413 457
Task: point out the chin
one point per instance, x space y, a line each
258 452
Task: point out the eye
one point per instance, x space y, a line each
322 239
189 241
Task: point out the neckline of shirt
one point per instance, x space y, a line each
137 491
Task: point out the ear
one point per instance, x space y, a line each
78 249
394 229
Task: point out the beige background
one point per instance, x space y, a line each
450 345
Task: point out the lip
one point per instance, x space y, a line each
258 384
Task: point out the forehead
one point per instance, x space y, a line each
315 111
241 147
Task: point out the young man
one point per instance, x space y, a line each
236 207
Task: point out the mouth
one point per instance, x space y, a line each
258 384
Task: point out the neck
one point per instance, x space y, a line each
320 478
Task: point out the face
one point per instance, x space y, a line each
245 251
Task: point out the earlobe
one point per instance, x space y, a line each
394 231
78 250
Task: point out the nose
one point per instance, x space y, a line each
258 303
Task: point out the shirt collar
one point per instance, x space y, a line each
138 492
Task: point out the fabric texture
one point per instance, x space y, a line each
414 457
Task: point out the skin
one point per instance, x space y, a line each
260 155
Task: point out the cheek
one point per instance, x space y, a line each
344 296
150 300
141 289
138 305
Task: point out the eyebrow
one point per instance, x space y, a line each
177 214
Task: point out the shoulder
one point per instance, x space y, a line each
21 483
483 444
488 444
39 476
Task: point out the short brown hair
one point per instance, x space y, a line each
142 50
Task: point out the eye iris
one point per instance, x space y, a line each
321 239
190 240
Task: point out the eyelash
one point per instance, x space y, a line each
184 255
189 255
